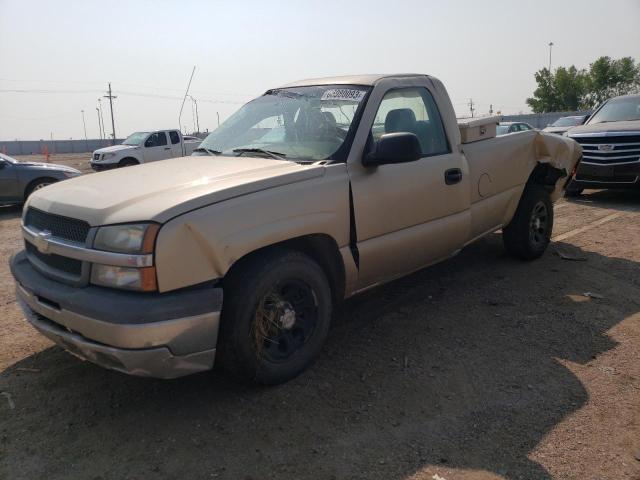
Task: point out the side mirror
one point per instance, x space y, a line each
148 143
398 147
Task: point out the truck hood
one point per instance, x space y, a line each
115 148
160 191
628 126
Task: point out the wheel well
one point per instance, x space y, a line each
34 182
321 248
129 158
546 175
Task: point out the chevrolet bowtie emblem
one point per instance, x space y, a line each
41 241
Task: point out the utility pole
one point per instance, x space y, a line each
491 109
550 48
113 124
471 109
86 142
218 114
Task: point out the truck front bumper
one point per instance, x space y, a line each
99 167
162 335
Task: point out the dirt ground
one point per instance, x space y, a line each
482 367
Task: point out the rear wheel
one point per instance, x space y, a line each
275 317
529 232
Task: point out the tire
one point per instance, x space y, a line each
529 232
573 190
128 162
275 317
37 185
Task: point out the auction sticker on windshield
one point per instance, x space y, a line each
344 94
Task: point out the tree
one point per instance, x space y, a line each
609 78
570 89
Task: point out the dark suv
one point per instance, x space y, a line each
611 146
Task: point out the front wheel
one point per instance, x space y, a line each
529 232
275 317
37 185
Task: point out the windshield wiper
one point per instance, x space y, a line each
209 151
276 155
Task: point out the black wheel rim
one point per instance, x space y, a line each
539 225
285 320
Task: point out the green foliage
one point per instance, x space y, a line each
569 89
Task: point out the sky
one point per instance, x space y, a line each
57 57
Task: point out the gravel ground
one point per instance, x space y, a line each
482 367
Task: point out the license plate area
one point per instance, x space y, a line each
604 171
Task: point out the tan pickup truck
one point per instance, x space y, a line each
309 194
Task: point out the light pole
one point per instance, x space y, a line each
104 133
86 142
194 102
218 114
550 48
99 124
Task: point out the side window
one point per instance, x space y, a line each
412 110
175 138
156 140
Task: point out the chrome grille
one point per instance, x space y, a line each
610 149
59 226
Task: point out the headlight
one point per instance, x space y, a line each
134 238
124 277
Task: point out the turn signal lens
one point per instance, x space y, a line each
141 279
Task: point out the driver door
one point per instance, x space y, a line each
409 215
156 147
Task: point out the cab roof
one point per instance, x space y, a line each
368 79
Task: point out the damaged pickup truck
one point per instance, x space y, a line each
309 194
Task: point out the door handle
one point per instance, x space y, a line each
167 148
452 176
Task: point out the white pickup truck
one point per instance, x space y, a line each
144 147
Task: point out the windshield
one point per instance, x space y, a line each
8 158
567 122
618 110
135 138
502 129
300 123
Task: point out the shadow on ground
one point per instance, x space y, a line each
10 211
457 365
624 200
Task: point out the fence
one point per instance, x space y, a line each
541 120
28 147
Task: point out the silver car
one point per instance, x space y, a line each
19 179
